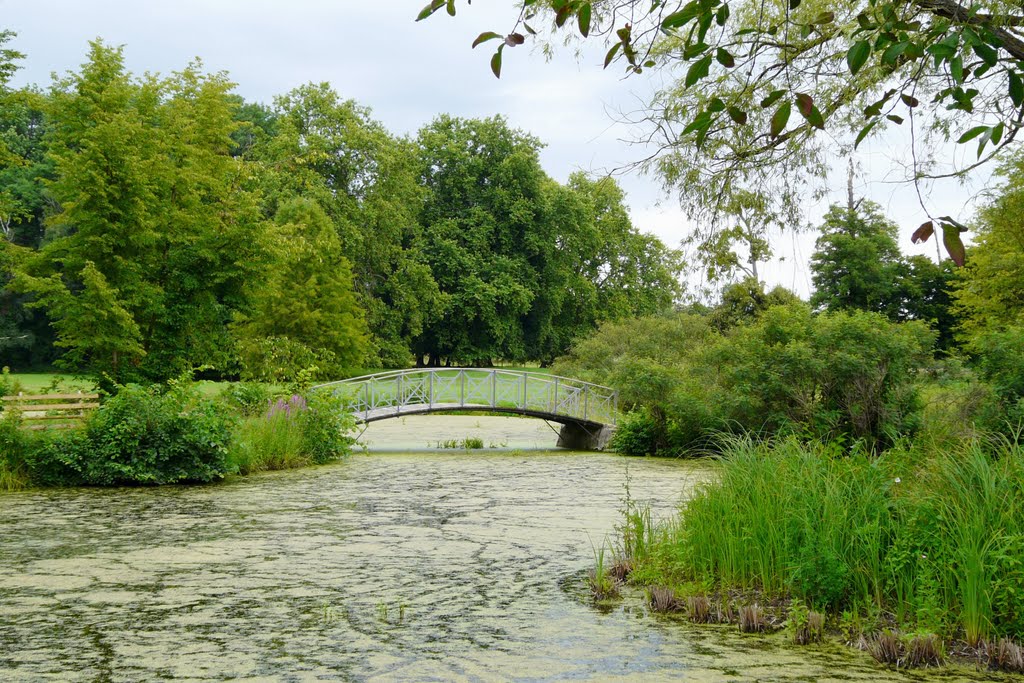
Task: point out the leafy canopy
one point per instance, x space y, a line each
752 84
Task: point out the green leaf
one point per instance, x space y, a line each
1016 89
954 245
997 132
738 115
698 70
611 54
584 19
496 63
724 58
702 121
893 52
971 134
956 69
864 133
815 118
451 8
858 55
909 100
772 98
485 36
793 4
430 9
723 14
682 17
716 105
898 120
780 118
989 55
824 18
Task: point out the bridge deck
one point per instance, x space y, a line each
429 390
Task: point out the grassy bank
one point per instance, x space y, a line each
884 550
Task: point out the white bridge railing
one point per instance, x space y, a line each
386 394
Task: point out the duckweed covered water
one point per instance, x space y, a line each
419 566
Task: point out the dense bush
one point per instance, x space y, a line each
144 435
849 374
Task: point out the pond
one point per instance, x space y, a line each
418 565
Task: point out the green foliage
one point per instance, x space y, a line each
847 374
638 433
157 233
292 432
725 117
305 314
143 435
933 538
248 398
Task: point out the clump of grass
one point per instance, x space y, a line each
925 650
1005 655
724 611
807 625
752 619
468 443
887 648
603 585
267 442
662 599
698 609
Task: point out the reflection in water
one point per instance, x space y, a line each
426 566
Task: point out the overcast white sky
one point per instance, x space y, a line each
407 72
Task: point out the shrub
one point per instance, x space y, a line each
247 398
142 435
637 434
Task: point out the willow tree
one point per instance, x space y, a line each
752 84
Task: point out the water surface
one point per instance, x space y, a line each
425 566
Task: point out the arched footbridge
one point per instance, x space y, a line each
587 412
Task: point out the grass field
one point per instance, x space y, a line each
40 382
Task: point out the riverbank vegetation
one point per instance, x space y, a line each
173 433
869 463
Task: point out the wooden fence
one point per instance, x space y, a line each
51 411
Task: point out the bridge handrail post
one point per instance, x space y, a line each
366 397
615 408
430 400
400 397
462 388
586 399
494 388
554 407
526 396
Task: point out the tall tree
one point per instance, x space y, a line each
487 237
857 263
305 316
151 200
331 150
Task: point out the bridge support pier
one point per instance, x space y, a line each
576 437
